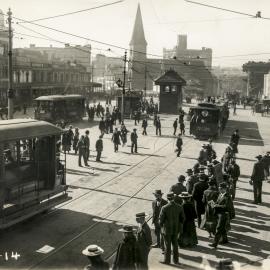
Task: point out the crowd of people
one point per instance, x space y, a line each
201 199
204 196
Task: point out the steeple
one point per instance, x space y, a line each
138 37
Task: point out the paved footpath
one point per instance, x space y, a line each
106 195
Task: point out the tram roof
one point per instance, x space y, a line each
59 97
20 129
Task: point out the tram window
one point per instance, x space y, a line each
167 89
174 88
19 152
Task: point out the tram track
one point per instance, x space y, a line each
107 215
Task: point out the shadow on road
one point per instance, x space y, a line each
248 131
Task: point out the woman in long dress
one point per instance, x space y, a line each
188 238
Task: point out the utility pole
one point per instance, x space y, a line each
145 80
10 92
124 85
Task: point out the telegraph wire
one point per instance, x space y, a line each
108 44
257 15
75 12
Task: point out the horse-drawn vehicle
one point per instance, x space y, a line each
60 108
32 174
208 119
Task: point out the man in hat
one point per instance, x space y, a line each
257 178
218 174
235 141
158 126
210 195
203 155
266 162
69 137
191 180
126 254
87 144
171 220
223 211
178 188
116 139
144 241
188 238
197 195
102 126
179 143
234 172
82 153
157 204
99 148
175 126
93 253
134 140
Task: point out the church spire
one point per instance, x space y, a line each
138 37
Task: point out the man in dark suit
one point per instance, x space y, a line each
126 254
257 178
171 220
87 144
157 204
222 209
134 140
144 241
197 195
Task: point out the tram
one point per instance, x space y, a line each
208 120
32 174
60 108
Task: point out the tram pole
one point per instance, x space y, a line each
10 93
124 85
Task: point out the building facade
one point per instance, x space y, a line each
181 51
144 70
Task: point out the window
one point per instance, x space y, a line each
167 89
174 88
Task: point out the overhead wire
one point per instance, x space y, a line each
75 12
229 10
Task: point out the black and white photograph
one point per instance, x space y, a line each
134 134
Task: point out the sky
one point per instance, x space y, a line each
228 34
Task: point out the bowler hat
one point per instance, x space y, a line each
223 185
202 177
259 157
184 195
181 178
142 214
126 228
170 195
212 181
158 192
92 250
189 171
134 129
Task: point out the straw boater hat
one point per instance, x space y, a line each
92 250
158 192
185 195
142 214
127 228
